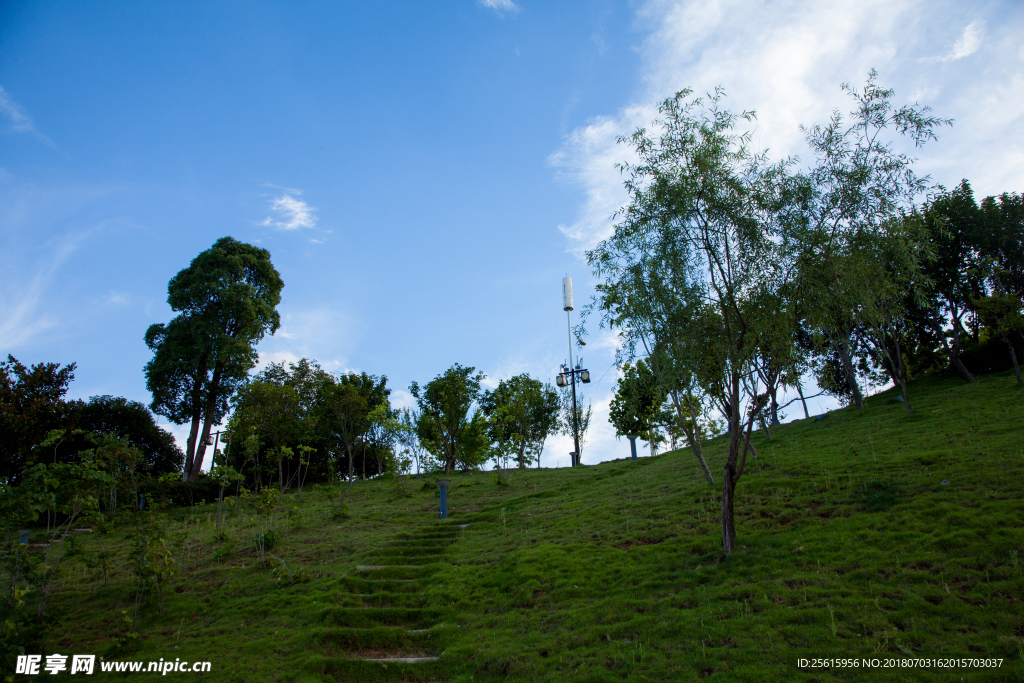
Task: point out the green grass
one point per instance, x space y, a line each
849 546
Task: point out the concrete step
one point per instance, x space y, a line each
402 660
374 617
372 567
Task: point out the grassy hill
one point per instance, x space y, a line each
851 546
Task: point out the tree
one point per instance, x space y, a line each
409 439
703 226
271 414
133 422
575 420
31 405
857 183
298 389
382 434
891 261
1002 316
522 413
955 226
635 409
345 410
444 404
647 296
1003 258
227 300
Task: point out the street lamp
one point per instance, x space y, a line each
568 373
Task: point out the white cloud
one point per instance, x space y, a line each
965 46
23 313
291 213
400 398
21 122
500 6
326 335
786 61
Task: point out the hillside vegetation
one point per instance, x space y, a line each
850 544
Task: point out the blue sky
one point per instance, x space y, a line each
423 173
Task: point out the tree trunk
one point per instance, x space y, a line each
901 371
190 446
632 445
691 434
211 407
1013 357
800 391
843 347
522 455
953 350
728 522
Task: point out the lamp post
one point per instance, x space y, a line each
568 373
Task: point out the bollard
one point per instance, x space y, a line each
443 483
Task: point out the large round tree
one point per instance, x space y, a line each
226 302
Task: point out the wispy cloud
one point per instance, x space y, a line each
787 65
23 315
290 213
500 6
965 46
20 121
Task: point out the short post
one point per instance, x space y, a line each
24 534
632 444
443 483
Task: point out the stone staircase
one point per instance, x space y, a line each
380 626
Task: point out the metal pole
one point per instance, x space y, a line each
572 373
443 484
213 458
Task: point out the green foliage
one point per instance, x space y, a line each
522 413
589 558
285 576
133 422
843 206
270 414
31 406
151 560
260 510
636 407
445 419
226 302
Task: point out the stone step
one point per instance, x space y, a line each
372 567
405 560
375 617
401 660
377 668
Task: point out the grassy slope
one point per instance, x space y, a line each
850 547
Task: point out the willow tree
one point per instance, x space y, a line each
226 302
694 262
858 182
